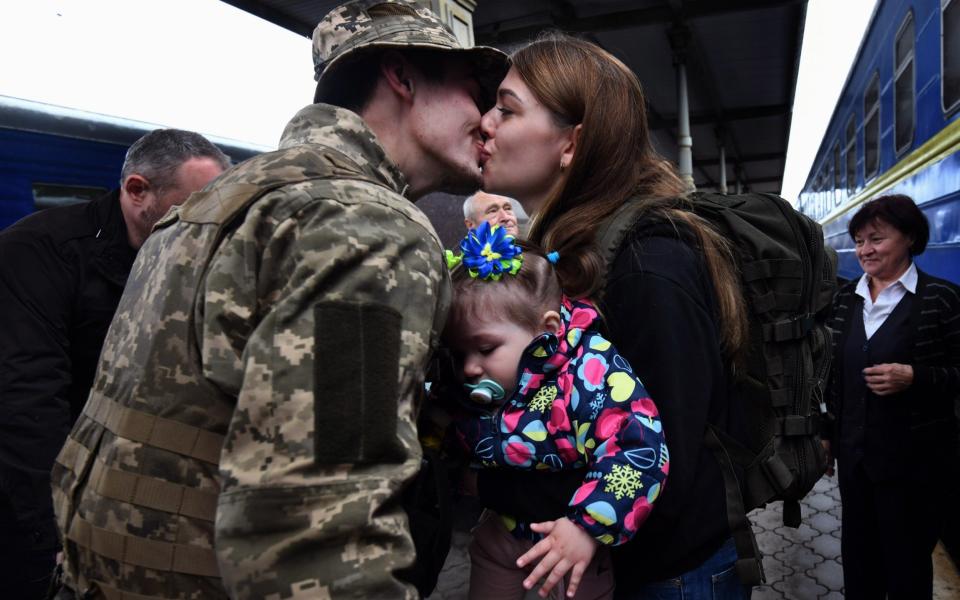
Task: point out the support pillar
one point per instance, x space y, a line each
723 169
679 37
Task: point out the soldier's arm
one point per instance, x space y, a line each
323 436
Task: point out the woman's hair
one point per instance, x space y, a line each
580 83
520 298
898 211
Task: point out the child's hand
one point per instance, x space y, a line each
566 546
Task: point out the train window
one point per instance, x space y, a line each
871 128
904 85
851 150
48 195
819 189
951 54
836 175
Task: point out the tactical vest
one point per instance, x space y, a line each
136 484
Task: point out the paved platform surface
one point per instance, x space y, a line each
800 564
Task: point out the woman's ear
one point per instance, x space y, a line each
570 146
550 321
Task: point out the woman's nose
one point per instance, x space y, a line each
488 123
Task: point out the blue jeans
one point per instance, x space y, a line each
714 579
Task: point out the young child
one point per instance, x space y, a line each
559 397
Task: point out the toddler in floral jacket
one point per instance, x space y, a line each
559 396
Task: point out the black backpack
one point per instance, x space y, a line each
788 279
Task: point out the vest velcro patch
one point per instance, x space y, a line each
356 386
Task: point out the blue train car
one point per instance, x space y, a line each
896 130
51 155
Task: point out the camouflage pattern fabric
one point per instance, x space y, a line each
252 419
363 24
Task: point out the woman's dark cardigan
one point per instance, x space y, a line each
930 402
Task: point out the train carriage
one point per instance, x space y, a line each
50 155
896 130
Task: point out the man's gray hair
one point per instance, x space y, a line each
468 207
157 155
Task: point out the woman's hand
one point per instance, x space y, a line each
566 547
888 378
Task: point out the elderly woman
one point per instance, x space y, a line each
895 376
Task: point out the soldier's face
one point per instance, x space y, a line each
446 128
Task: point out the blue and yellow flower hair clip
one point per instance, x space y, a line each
487 253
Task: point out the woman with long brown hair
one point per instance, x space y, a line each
569 139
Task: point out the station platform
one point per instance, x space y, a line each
800 564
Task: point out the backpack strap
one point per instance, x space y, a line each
607 241
609 237
748 566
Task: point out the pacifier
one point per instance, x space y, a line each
485 391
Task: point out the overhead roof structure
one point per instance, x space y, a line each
741 60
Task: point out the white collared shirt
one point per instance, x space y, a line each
875 313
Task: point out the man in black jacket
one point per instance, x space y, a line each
62 272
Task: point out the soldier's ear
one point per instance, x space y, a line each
398 73
136 187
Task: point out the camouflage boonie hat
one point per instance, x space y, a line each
365 24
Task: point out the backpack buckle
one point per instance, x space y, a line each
777 473
790 329
797 425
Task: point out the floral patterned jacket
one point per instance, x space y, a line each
578 403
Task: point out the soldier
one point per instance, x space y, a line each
61 278
252 422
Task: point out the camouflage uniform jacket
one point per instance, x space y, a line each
259 385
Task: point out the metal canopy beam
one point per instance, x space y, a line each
659 121
504 33
729 115
273 15
709 162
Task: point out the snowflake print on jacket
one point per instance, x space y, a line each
578 403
